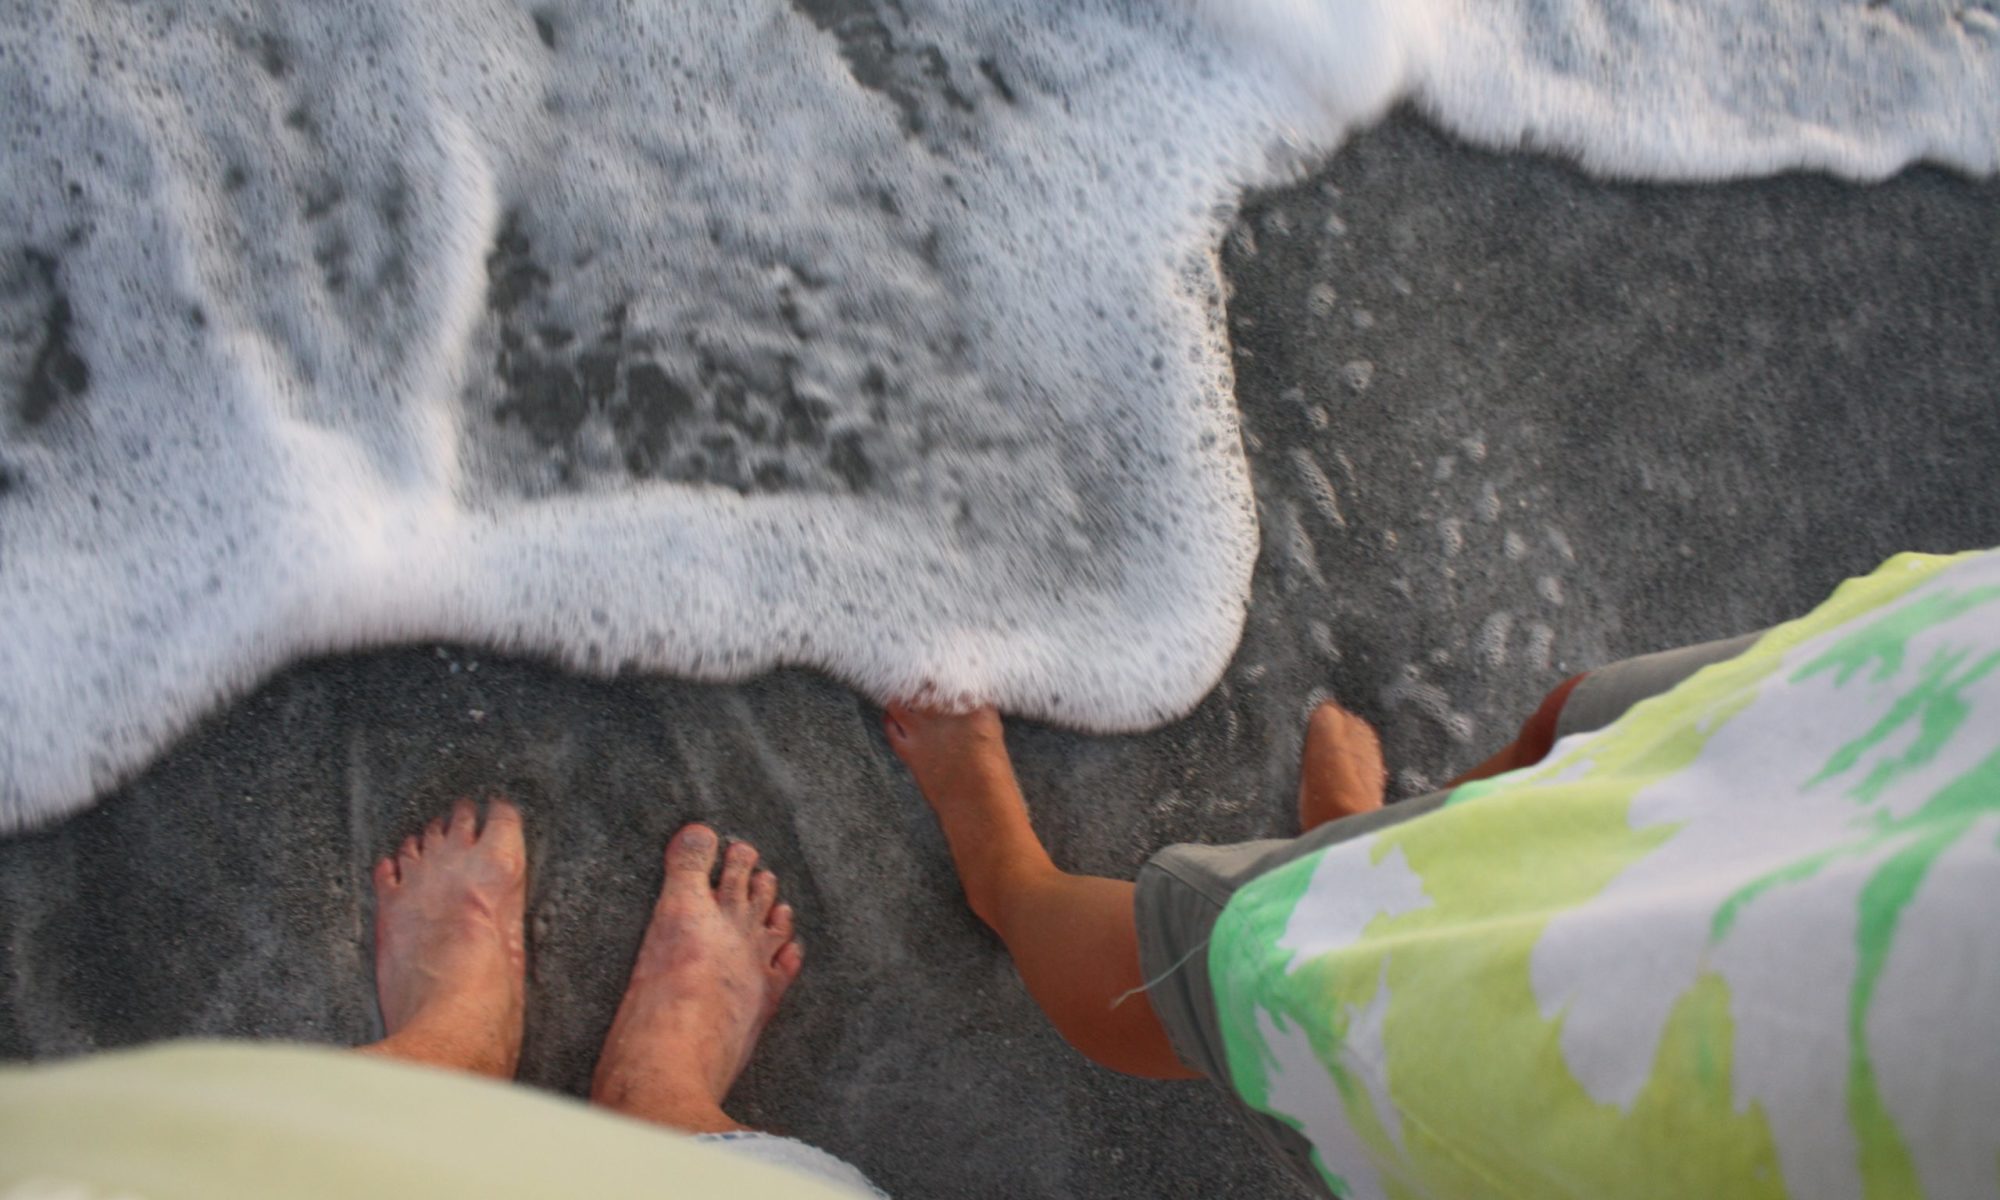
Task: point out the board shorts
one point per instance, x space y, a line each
1183 889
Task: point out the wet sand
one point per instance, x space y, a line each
1540 422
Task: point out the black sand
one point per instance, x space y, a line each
1656 415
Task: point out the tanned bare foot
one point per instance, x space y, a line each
714 964
960 764
450 961
1342 772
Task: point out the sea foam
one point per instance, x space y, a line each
708 337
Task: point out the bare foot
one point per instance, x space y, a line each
960 764
449 956
1342 772
713 966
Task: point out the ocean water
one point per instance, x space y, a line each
707 337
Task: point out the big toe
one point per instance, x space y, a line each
502 818
1337 717
1328 717
1334 730
911 727
1343 770
690 859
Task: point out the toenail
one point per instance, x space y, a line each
741 851
698 837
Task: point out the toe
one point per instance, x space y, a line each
410 853
896 724
788 963
781 922
690 859
778 977
737 864
763 893
386 876
1332 723
501 816
434 833
463 824
501 837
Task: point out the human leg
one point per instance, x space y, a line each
1594 699
715 962
450 957
1076 945
1072 937
1532 744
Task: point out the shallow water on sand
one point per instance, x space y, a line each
884 340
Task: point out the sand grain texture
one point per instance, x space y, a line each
1503 421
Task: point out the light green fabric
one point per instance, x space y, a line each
222 1121
1739 943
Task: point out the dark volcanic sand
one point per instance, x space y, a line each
1594 420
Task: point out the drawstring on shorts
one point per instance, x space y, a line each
1161 978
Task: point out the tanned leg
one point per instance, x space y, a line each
1072 937
449 956
1537 737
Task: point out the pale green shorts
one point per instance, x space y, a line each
1184 888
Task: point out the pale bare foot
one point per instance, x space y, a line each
714 964
960 764
1342 772
450 962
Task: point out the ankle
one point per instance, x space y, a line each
684 1109
424 1044
996 894
995 849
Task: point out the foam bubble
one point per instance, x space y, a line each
1491 643
707 344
